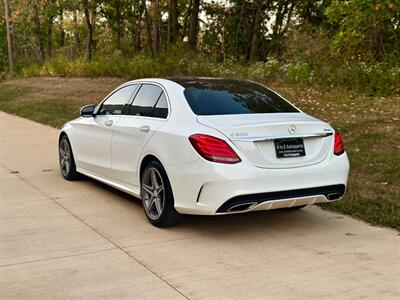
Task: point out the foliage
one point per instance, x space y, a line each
352 43
368 29
370 78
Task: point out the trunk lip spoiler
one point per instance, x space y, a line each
271 138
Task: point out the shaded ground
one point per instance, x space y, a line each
369 126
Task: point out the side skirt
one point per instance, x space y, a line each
127 188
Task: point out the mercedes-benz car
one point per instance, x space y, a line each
205 146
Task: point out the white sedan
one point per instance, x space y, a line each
205 146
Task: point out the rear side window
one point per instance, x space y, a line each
150 101
222 97
115 104
145 100
161 108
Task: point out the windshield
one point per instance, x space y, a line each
223 96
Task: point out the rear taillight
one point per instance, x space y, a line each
339 146
214 149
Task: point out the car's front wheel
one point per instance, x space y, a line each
157 197
66 160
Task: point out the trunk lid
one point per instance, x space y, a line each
255 134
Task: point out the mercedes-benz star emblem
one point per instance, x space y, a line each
292 129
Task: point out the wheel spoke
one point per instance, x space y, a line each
64 150
154 178
157 202
146 202
66 166
151 204
159 190
148 189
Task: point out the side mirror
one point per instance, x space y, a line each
88 111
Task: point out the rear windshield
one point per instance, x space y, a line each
223 97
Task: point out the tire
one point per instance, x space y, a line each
66 160
157 196
295 207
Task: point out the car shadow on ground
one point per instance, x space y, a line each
304 221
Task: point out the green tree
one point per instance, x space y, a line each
367 29
3 47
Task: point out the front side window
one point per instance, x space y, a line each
150 101
115 104
222 97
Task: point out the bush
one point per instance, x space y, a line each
299 73
302 66
265 71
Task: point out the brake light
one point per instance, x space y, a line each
214 149
339 146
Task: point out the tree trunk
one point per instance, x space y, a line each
9 38
194 25
289 18
223 37
172 22
186 20
89 26
138 27
62 31
76 34
285 10
254 35
148 29
50 37
156 26
278 21
236 41
38 32
118 28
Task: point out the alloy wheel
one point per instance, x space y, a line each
153 193
65 157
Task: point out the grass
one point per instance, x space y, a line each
50 112
369 125
53 113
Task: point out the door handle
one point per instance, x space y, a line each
144 128
108 122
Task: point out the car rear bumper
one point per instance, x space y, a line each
208 188
279 199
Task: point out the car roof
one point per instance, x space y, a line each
205 81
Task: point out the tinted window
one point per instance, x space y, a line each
145 100
115 104
161 108
221 97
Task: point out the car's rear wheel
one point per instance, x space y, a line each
66 160
157 197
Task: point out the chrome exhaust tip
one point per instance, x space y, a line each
242 207
334 196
